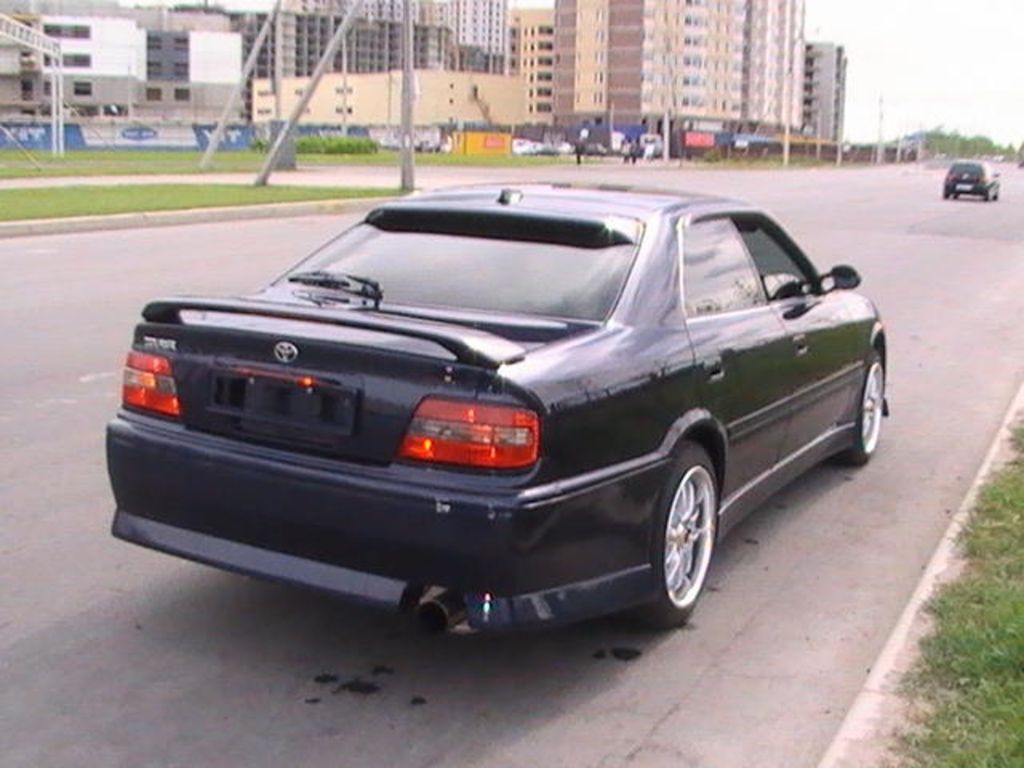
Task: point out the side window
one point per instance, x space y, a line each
717 274
781 274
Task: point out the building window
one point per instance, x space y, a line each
154 71
83 60
154 94
81 88
182 94
181 70
67 31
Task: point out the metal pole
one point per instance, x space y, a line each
60 111
344 85
236 93
408 160
307 94
787 86
54 97
278 75
879 153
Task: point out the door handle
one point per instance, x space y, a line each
713 368
800 342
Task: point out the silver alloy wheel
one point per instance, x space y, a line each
872 407
689 537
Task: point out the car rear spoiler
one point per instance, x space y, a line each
469 345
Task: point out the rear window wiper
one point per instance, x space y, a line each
363 287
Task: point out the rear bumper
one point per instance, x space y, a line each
968 189
520 557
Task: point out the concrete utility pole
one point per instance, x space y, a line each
278 64
408 51
787 84
285 134
880 153
236 93
344 85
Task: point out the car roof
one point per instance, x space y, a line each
592 202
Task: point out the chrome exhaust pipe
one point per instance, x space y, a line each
441 612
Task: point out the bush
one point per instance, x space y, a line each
713 156
335 145
259 145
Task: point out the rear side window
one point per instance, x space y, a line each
717 273
475 273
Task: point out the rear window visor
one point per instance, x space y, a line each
525 227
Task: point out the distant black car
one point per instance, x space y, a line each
503 408
971 178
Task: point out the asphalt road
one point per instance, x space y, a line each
115 656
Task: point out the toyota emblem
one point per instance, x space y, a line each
285 352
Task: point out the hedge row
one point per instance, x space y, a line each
335 145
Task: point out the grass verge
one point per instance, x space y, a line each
14 165
61 202
970 678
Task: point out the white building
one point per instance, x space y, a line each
146 63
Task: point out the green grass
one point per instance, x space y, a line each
15 165
970 679
59 202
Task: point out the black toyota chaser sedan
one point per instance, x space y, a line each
499 408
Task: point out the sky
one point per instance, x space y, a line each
954 63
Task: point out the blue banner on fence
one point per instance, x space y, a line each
118 136
235 136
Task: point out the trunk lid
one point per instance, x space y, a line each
333 382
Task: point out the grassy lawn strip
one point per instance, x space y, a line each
60 202
14 165
971 675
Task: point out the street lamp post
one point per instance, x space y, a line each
408 159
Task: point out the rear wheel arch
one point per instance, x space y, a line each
700 427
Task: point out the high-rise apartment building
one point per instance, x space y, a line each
532 58
824 90
697 61
773 77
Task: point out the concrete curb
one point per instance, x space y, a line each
144 219
863 737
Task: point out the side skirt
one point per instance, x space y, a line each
748 498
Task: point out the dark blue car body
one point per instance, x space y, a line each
768 392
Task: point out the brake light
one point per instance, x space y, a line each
149 384
472 434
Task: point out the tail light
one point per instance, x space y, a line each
472 434
149 384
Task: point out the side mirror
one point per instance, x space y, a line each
843 277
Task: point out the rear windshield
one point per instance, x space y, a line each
972 168
472 273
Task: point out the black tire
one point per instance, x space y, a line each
663 612
988 196
864 448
